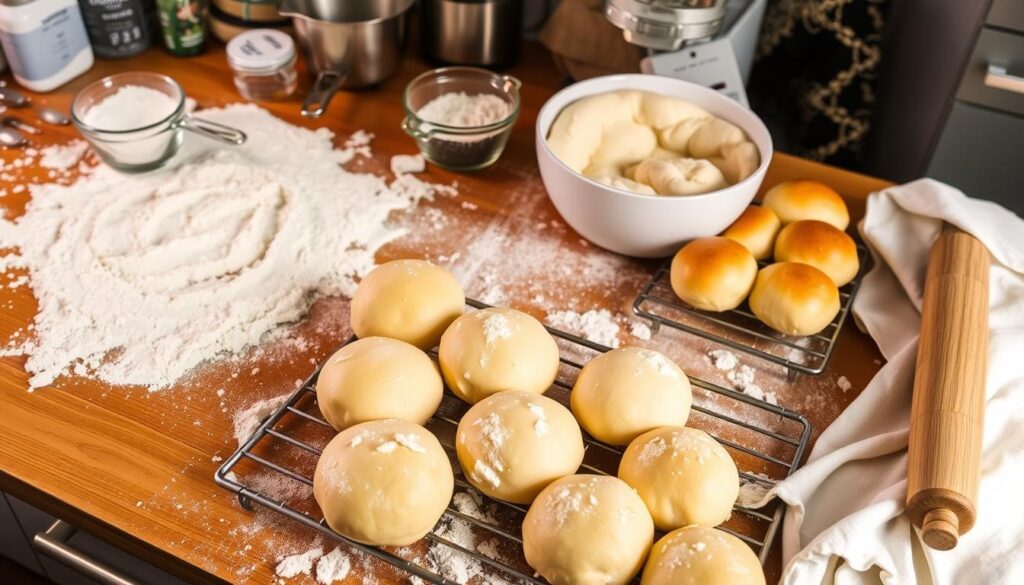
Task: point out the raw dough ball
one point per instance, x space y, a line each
377 377
737 161
411 300
384 482
822 246
492 350
696 555
803 199
680 176
756 229
709 138
794 298
513 444
587 530
683 475
713 274
625 184
629 391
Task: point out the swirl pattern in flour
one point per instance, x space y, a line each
140 278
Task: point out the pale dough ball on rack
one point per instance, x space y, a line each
384 482
755 229
696 555
587 530
683 475
820 245
378 377
411 300
492 350
794 298
626 392
713 274
804 199
513 444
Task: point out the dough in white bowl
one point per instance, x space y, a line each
622 144
492 350
696 555
711 136
411 300
375 378
513 444
625 184
587 530
683 475
680 176
384 482
629 391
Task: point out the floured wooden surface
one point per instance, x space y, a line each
143 462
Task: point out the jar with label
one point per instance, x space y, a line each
45 42
117 28
263 61
184 25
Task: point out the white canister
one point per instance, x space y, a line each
45 42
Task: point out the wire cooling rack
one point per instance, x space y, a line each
767 442
739 329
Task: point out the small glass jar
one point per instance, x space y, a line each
263 61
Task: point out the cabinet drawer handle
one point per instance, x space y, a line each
54 544
998 78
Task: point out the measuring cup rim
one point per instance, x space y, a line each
109 80
464 130
289 9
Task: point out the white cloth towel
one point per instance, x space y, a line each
845 521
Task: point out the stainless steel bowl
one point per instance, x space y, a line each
348 43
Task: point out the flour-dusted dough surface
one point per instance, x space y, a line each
696 555
713 274
513 444
683 475
794 298
587 530
411 300
375 378
383 482
629 391
493 350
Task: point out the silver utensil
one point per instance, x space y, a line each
11 137
12 97
19 124
348 44
53 116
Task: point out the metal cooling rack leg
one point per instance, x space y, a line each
791 374
245 502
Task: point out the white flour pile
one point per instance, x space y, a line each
129 108
597 325
741 376
462 109
140 278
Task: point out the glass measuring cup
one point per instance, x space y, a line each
149 146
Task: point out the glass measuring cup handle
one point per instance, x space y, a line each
212 130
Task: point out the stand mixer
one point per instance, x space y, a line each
708 42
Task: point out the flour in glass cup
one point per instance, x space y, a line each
130 108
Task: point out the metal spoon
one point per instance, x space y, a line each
19 124
52 116
12 97
11 137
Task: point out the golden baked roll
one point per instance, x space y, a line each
794 298
756 229
805 199
713 274
824 247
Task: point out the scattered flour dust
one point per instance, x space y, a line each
333 566
140 278
597 325
407 163
245 422
844 384
741 376
300 564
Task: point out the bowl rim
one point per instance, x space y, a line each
625 77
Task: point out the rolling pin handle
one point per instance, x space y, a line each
940 529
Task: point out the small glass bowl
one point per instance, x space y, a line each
460 148
150 146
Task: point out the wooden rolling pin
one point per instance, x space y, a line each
943 469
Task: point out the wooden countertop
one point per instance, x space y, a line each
137 468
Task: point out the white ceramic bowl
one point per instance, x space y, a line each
645 225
